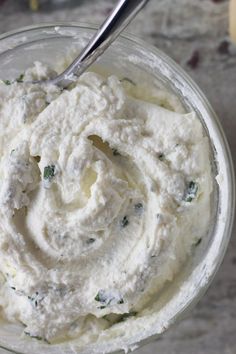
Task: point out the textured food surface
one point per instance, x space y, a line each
102 187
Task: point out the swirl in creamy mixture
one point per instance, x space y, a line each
101 193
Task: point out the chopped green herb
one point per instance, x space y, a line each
124 221
100 297
191 192
49 172
90 241
115 152
36 299
34 337
7 82
138 207
125 316
126 79
13 288
106 298
37 158
198 242
20 78
161 157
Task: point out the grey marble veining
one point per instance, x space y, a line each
194 33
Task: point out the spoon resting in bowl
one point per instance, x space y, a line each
123 13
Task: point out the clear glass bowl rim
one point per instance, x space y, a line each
217 126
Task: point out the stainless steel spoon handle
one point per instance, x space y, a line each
117 21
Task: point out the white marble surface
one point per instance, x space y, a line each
180 28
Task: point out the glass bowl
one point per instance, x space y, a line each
132 57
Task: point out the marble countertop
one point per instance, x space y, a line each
194 33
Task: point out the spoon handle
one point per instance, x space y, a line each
116 22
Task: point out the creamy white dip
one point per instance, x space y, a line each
104 192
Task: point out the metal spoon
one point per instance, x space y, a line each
117 21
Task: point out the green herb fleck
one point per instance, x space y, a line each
115 152
20 78
34 337
161 157
49 172
90 241
7 82
125 316
191 192
198 242
100 297
36 299
13 288
37 158
138 207
124 221
106 299
158 216
126 79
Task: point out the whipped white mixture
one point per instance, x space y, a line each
104 192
